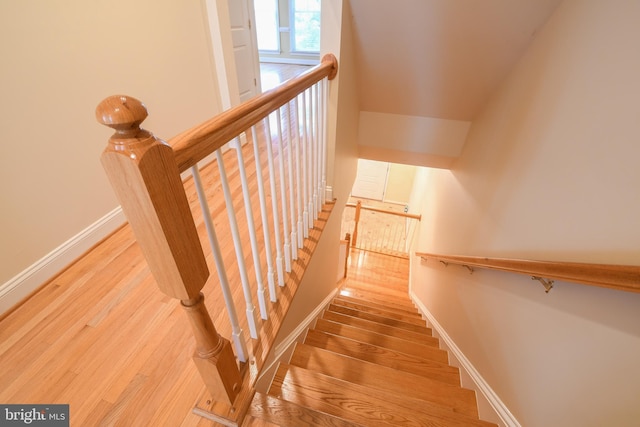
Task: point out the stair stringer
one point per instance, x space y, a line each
284 349
490 406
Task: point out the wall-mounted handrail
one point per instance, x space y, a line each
621 277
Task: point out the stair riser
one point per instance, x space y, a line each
385 357
381 292
422 338
382 378
362 404
379 319
409 311
396 344
414 320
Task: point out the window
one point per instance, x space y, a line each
267 25
305 31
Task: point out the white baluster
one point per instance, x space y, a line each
237 243
323 131
292 212
237 334
314 150
305 164
251 226
265 219
398 243
274 201
319 149
283 196
297 169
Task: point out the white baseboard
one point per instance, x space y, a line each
23 284
482 386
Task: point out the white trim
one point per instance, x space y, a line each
481 385
295 61
20 286
302 328
304 325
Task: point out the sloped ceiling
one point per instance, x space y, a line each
439 58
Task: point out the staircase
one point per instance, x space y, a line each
370 360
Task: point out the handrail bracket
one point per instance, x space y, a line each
547 283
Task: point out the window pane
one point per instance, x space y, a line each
267 27
306 31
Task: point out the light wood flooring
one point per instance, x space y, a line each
272 74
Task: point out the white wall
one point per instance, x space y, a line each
400 183
342 120
549 171
60 59
411 140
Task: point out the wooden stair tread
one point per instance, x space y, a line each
386 341
386 357
380 377
394 300
408 308
365 292
423 337
389 314
283 413
361 404
396 323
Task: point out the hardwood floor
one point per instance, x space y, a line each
272 74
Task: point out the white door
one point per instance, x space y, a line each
244 47
371 179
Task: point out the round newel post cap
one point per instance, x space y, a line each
122 113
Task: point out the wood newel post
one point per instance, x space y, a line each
145 177
354 238
347 237
213 357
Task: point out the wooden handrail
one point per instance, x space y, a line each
198 142
621 277
373 209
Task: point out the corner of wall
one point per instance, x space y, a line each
490 406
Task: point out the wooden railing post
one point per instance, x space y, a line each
145 177
347 237
354 238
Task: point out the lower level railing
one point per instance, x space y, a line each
272 182
379 230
